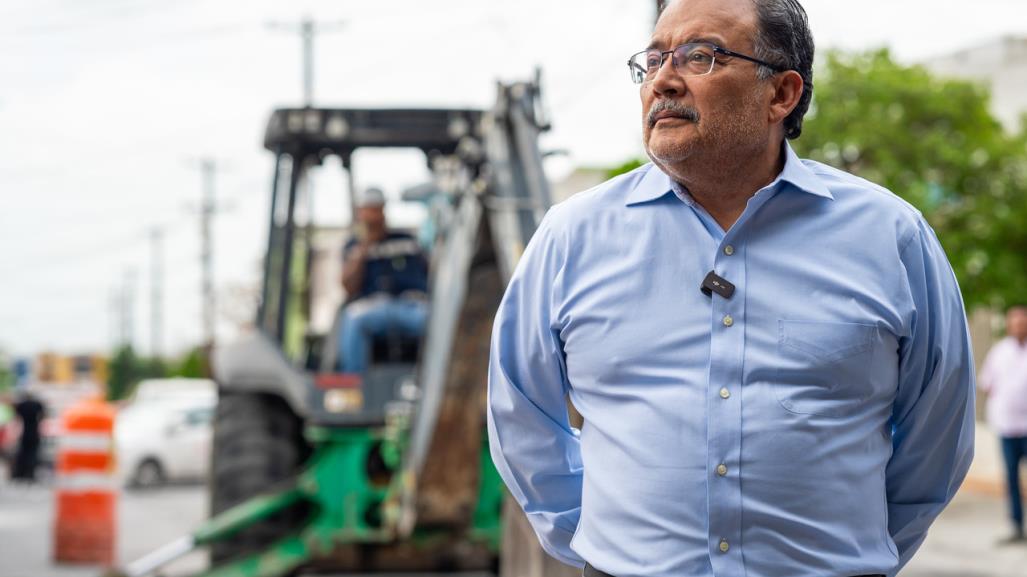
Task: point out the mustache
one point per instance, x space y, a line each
675 108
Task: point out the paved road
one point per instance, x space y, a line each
961 543
146 520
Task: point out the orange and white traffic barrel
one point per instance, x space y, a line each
86 489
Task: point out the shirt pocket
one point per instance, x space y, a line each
823 367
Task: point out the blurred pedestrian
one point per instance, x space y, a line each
770 355
30 412
1004 378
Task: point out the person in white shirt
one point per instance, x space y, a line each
1004 378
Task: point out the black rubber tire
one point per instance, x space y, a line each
258 447
148 475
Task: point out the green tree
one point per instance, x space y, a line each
124 373
934 142
126 370
625 167
6 375
193 365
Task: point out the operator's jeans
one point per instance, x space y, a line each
375 316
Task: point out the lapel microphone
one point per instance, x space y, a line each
716 284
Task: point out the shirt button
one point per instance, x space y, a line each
724 546
722 469
729 250
724 393
728 321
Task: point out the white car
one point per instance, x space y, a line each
165 433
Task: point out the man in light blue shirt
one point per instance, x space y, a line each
808 414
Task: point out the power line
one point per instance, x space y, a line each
307 29
17 273
85 21
118 244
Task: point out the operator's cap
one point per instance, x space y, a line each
372 196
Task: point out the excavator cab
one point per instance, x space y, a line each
302 301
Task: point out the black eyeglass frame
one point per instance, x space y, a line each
716 50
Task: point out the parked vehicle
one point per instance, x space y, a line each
157 391
164 434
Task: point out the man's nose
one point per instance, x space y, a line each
667 81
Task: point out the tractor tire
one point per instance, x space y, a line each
258 447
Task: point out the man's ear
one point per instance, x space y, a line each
788 87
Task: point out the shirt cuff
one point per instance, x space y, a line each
555 540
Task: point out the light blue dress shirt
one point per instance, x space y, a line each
812 425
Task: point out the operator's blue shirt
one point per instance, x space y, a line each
394 265
812 425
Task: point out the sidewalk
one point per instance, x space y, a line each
987 473
962 542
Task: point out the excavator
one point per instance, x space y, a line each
318 471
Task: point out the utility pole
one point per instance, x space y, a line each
114 323
127 301
207 211
156 292
307 29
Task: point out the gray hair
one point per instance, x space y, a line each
783 38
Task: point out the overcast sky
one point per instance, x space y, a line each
106 105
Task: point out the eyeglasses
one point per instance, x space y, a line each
692 59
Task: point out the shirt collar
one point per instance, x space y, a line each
656 183
796 172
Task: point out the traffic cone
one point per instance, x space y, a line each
86 491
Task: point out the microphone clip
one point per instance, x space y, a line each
716 284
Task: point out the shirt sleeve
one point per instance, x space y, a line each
933 415
533 445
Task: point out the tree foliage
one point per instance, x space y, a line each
6 376
193 365
625 167
126 370
123 374
934 142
